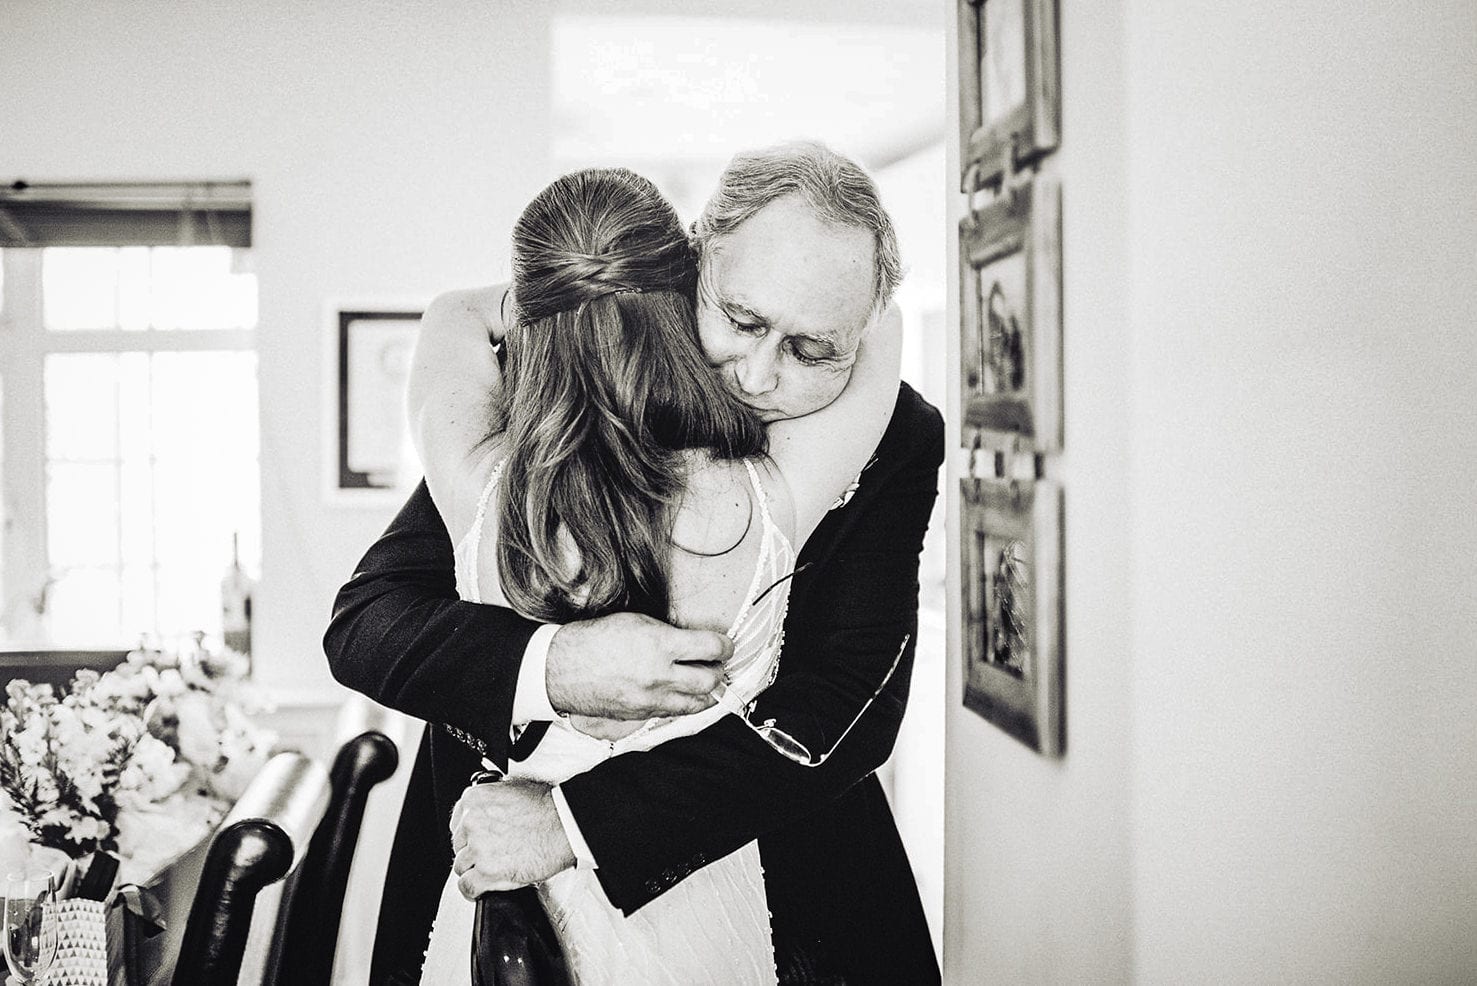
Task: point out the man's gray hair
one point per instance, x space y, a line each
836 187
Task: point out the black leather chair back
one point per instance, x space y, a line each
256 845
313 903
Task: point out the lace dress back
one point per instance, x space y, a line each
712 926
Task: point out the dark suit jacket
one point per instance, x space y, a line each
842 897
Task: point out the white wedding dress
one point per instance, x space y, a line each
713 926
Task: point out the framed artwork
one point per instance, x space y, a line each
1011 580
1009 92
1010 278
368 437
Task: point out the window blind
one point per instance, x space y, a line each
216 213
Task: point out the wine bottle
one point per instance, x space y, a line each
236 589
513 943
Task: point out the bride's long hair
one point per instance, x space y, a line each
607 385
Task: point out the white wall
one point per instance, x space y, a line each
1303 202
1270 243
1037 879
390 146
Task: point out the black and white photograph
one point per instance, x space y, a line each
373 346
1009 90
1010 298
737 493
1010 578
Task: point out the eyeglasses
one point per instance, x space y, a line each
792 749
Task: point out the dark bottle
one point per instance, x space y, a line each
513 943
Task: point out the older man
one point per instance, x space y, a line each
796 254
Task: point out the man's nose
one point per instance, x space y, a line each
755 372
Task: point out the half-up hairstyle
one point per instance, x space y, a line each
607 386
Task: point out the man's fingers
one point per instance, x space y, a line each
473 884
698 646
696 679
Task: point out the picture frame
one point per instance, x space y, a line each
1011 606
367 437
1009 86
1010 281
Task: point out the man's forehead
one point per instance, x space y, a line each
841 334
789 300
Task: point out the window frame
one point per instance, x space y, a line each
25 342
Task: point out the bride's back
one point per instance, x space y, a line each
728 510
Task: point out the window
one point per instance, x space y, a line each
130 454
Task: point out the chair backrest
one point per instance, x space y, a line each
312 904
259 842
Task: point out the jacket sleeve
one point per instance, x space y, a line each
652 818
400 635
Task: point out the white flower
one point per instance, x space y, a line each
86 828
30 742
151 774
167 683
199 736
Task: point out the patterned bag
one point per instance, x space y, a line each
82 945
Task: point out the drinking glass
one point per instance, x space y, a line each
29 925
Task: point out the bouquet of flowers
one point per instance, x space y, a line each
141 761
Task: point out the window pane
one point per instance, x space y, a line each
138 288
198 510
190 600
137 602
136 512
133 288
81 514
82 607
205 405
135 406
82 406
197 288
79 287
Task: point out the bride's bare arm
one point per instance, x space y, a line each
820 454
455 397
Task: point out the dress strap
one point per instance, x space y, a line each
474 536
759 494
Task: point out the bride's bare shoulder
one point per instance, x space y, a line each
719 506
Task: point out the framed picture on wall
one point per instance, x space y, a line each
1010 280
1011 581
368 438
1009 96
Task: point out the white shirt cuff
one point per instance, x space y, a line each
584 859
531 693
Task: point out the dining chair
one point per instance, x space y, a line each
312 904
263 838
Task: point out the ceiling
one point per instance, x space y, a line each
675 97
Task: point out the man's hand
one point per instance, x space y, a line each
507 835
629 666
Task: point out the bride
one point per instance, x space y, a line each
604 466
